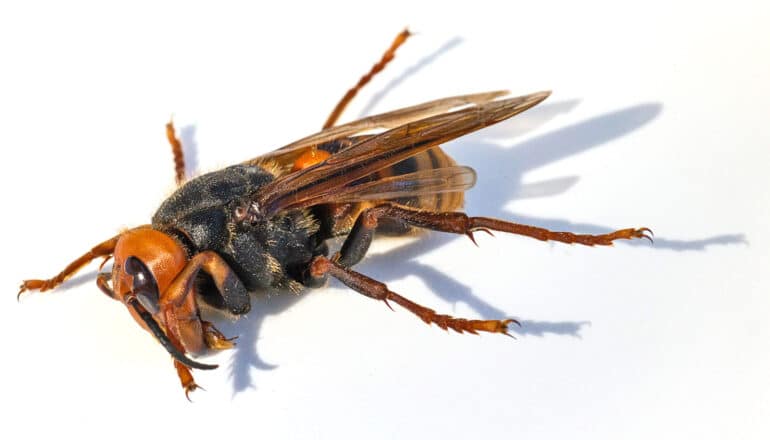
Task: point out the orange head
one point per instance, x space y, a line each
147 262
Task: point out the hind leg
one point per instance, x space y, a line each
322 266
176 150
360 237
386 58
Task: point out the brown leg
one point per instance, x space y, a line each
459 223
234 294
100 250
360 237
176 149
215 339
186 378
103 283
322 266
386 57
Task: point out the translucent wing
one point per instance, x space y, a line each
314 184
289 153
435 181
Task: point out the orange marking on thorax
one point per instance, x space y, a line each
310 158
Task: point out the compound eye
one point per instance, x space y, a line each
145 288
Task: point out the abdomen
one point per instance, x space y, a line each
337 219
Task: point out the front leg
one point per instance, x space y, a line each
234 294
186 378
104 249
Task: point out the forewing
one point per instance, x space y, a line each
289 153
419 183
314 184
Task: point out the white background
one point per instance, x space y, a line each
658 118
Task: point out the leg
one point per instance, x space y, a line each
386 57
103 283
215 340
176 149
360 238
321 266
234 294
144 285
361 235
186 378
103 249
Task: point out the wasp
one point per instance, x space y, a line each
264 224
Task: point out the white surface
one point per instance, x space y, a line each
658 118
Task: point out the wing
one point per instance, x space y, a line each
434 181
289 153
316 184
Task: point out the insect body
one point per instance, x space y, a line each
263 224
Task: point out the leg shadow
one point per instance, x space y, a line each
190 148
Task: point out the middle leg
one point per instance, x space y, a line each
322 266
360 237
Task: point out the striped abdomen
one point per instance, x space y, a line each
340 218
